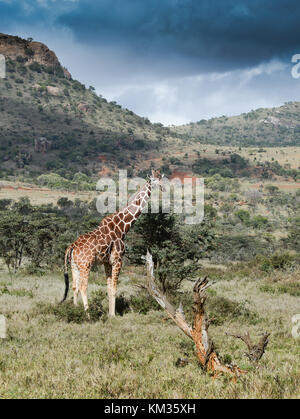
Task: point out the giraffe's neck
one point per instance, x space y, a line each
133 210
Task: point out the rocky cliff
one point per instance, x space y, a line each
14 47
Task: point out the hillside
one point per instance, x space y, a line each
51 122
274 127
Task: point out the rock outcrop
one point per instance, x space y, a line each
84 107
14 47
278 122
42 145
54 91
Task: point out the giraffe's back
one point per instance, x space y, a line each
97 245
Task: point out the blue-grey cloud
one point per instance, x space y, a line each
208 34
216 34
170 60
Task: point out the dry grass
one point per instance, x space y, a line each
39 195
134 355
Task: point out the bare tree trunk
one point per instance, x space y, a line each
199 331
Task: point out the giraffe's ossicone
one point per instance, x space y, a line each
105 245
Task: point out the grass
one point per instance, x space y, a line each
38 195
53 351
289 288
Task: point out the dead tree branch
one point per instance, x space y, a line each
198 332
255 351
176 315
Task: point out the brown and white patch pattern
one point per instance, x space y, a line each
105 245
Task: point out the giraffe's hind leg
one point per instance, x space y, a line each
112 283
84 277
76 282
108 272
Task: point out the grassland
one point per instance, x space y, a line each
39 195
53 351
134 355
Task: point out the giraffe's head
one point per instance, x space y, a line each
156 179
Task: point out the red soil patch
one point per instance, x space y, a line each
182 176
295 185
8 187
22 188
102 157
104 172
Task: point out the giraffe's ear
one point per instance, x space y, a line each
163 175
153 172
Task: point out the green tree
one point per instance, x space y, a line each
293 238
259 222
176 248
243 216
14 235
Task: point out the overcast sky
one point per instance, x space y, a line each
174 61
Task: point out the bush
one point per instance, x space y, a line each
143 303
293 239
241 247
243 216
70 313
291 288
259 222
35 67
282 261
175 249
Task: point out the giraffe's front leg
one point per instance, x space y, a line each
112 283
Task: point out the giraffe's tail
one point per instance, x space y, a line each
68 256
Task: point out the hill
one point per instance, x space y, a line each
274 127
51 122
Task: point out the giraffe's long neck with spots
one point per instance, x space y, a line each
134 209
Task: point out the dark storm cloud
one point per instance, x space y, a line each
29 12
173 61
202 35
218 34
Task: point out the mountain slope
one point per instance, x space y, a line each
52 123
262 127
40 99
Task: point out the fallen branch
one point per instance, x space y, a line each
255 351
199 331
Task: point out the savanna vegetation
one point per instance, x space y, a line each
248 243
257 289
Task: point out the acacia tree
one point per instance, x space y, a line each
14 233
293 238
176 248
41 234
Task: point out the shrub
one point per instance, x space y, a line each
278 262
142 303
175 250
291 288
35 67
70 313
259 222
243 216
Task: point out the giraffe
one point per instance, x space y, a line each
105 245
